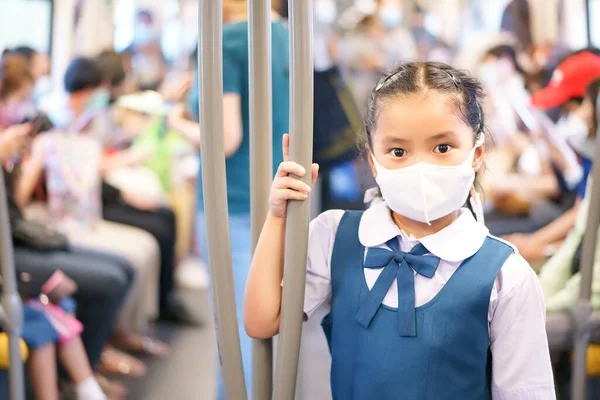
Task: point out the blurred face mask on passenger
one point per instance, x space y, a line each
496 71
572 125
390 15
325 12
488 73
100 99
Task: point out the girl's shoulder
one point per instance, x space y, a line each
515 273
327 223
329 218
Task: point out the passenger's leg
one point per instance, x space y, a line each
102 280
161 225
73 358
43 373
240 238
142 252
40 336
241 257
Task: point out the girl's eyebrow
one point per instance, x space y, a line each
394 140
442 136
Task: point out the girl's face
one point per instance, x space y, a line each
422 128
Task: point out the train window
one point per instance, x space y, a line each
15 33
594 10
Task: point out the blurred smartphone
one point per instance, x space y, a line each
39 123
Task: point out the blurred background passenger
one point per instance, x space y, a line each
380 42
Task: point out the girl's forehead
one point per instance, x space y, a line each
419 115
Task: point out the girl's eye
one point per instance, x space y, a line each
443 148
398 153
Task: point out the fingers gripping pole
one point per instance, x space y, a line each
261 165
210 64
583 309
12 308
301 128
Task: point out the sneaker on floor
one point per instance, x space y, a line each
192 274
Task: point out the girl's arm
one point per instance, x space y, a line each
262 302
521 366
30 173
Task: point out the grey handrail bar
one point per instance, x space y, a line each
12 307
296 241
210 73
261 164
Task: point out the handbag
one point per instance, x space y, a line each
31 234
35 235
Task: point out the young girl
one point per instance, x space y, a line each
425 304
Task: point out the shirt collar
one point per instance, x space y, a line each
457 242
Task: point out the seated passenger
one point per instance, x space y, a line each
104 279
566 90
560 276
138 209
43 340
71 160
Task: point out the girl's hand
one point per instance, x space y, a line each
286 187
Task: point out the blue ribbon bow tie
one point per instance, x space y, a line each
396 264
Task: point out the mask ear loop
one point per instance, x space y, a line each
475 199
477 206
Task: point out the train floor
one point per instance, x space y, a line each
189 372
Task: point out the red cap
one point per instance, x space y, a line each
570 79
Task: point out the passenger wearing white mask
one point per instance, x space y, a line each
522 171
379 43
417 274
566 90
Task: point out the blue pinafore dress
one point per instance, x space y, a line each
440 352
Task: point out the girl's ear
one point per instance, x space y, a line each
479 158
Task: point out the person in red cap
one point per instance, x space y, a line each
566 90
569 81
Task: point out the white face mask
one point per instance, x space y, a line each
427 192
572 125
325 12
390 16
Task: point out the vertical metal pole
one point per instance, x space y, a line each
210 65
11 301
261 165
583 310
296 242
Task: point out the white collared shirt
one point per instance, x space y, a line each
521 368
